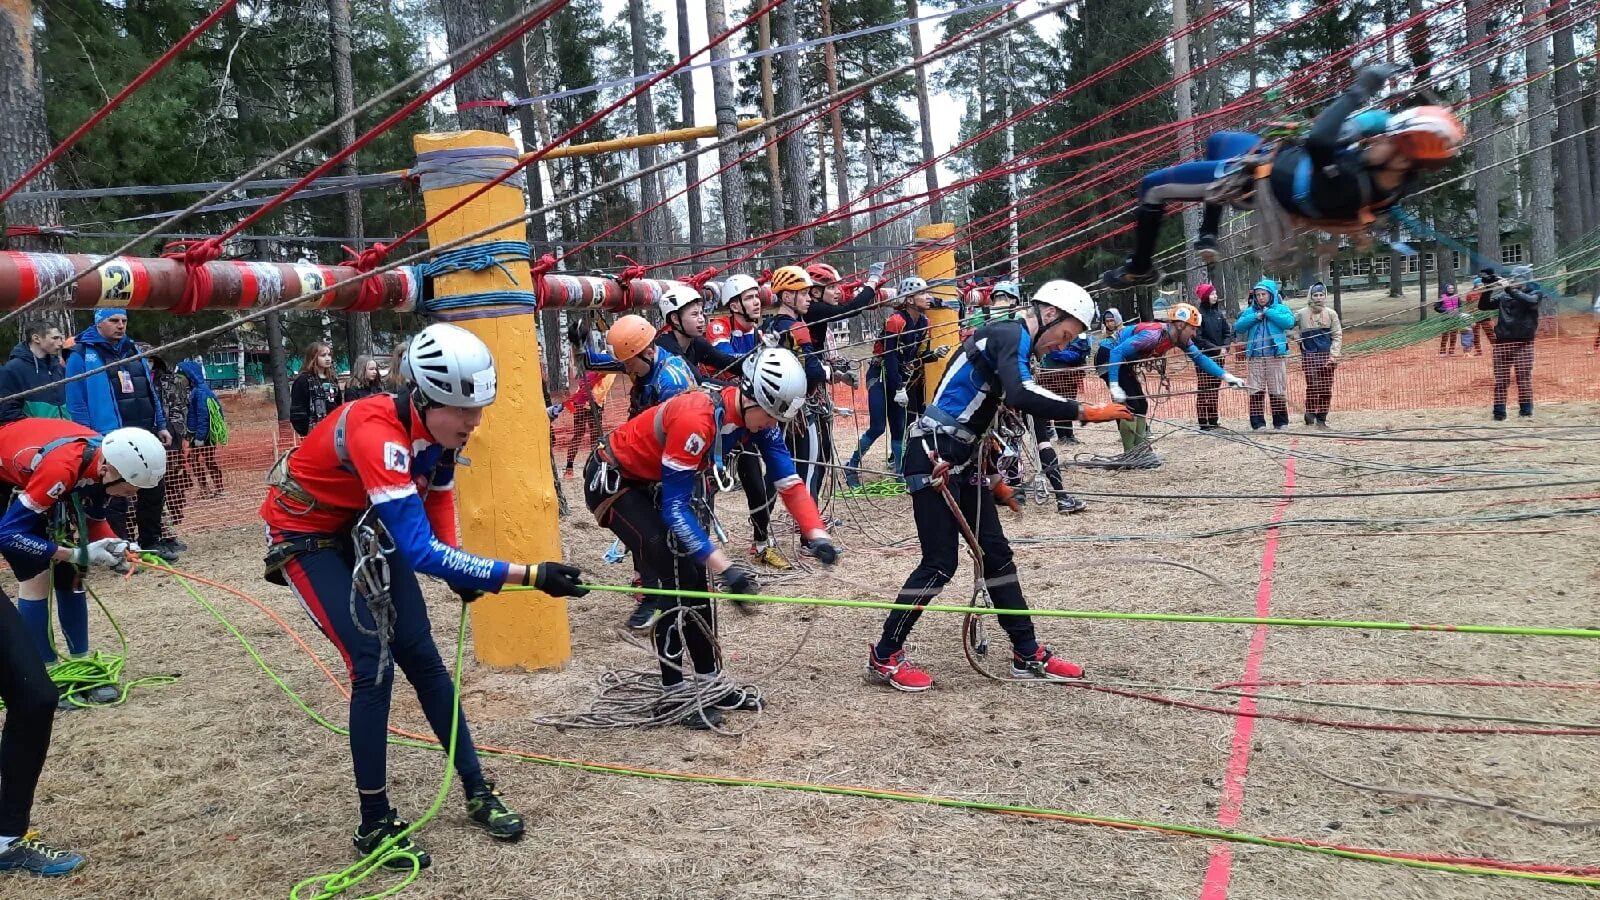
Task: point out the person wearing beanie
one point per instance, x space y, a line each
1517 301
1212 337
1449 305
1263 328
1321 342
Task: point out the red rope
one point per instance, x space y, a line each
112 104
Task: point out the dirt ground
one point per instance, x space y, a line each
219 786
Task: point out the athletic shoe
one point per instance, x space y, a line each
29 854
392 824
1206 249
645 614
769 556
101 695
1068 504
897 672
177 545
745 698
693 716
1044 666
1311 418
487 809
164 550
1121 279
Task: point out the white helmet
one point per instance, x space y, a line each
137 455
911 284
735 285
776 381
1069 298
450 366
676 298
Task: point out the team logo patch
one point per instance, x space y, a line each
695 445
396 459
56 490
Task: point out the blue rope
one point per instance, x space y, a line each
477 258
1415 226
486 298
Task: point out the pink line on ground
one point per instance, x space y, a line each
1219 869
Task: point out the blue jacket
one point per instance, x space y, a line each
1074 354
1265 330
24 371
94 401
198 419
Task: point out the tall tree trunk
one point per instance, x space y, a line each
1486 179
930 175
732 178
358 326
1574 213
524 85
1185 107
24 140
1541 124
691 161
644 119
1397 265
277 359
464 22
790 99
768 109
841 168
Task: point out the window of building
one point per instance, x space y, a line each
1512 255
1380 266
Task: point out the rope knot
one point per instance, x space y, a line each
197 283
633 271
368 259
699 280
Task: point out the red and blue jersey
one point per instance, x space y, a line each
398 472
1149 340
43 479
673 444
732 335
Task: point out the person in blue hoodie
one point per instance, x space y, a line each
198 421
1263 328
125 396
35 362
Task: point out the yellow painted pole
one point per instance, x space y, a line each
936 264
633 141
506 498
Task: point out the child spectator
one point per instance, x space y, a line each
205 425
315 391
1450 305
364 379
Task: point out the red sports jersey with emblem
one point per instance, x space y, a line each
39 487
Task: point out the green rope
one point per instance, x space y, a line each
870 794
333 884
885 487
1525 631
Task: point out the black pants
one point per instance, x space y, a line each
30 700
1127 377
942 544
1044 431
810 441
635 518
1205 399
753 478
1513 357
585 425
147 510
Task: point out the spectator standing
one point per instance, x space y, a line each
124 396
588 408
206 428
1212 337
174 393
364 379
1486 282
315 391
1263 329
1321 343
1449 305
1517 302
35 362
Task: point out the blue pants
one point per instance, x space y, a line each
1189 181
882 412
321 581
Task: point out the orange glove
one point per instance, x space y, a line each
1104 412
1004 493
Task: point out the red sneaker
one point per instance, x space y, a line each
897 672
1044 666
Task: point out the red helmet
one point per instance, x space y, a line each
822 273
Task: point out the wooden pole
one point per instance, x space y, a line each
936 264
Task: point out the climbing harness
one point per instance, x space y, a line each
370 582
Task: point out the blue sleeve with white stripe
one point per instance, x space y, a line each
414 539
677 511
19 533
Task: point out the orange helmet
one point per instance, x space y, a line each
823 274
790 278
1427 133
629 336
1184 313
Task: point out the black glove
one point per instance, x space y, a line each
559 580
1371 79
739 580
466 594
825 552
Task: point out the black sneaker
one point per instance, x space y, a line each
745 698
177 545
644 615
29 854
1121 278
487 809
401 852
681 709
1206 249
165 550
1067 504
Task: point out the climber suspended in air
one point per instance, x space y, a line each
1353 166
